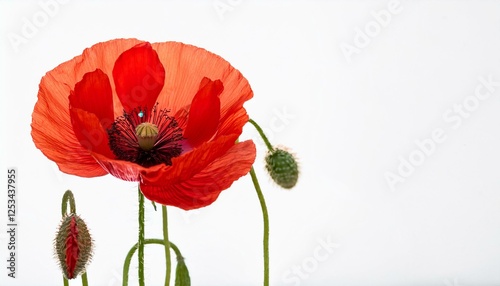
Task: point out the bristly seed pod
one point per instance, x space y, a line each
283 167
73 246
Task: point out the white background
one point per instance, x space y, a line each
350 119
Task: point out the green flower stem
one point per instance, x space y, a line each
68 198
175 249
85 282
261 132
128 258
65 281
140 242
167 244
266 225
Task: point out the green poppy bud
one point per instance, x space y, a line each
181 273
73 246
283 167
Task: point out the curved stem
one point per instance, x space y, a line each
167 244
68 198
85 282
140 242
266 225
175 249
261 132
128 258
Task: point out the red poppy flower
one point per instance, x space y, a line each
167 115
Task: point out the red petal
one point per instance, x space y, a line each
93 94
204 112
123 170
191 64
90 133
204 187
183 167
52 131
72 250
190 163
139 77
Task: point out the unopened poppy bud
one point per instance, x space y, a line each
181 273
283 167
146 135
73 246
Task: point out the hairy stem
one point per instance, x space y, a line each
140 242
128 258
261 132
265 216
167 244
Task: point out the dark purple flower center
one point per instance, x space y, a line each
146 138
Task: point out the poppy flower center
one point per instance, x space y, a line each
146 134
146 138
